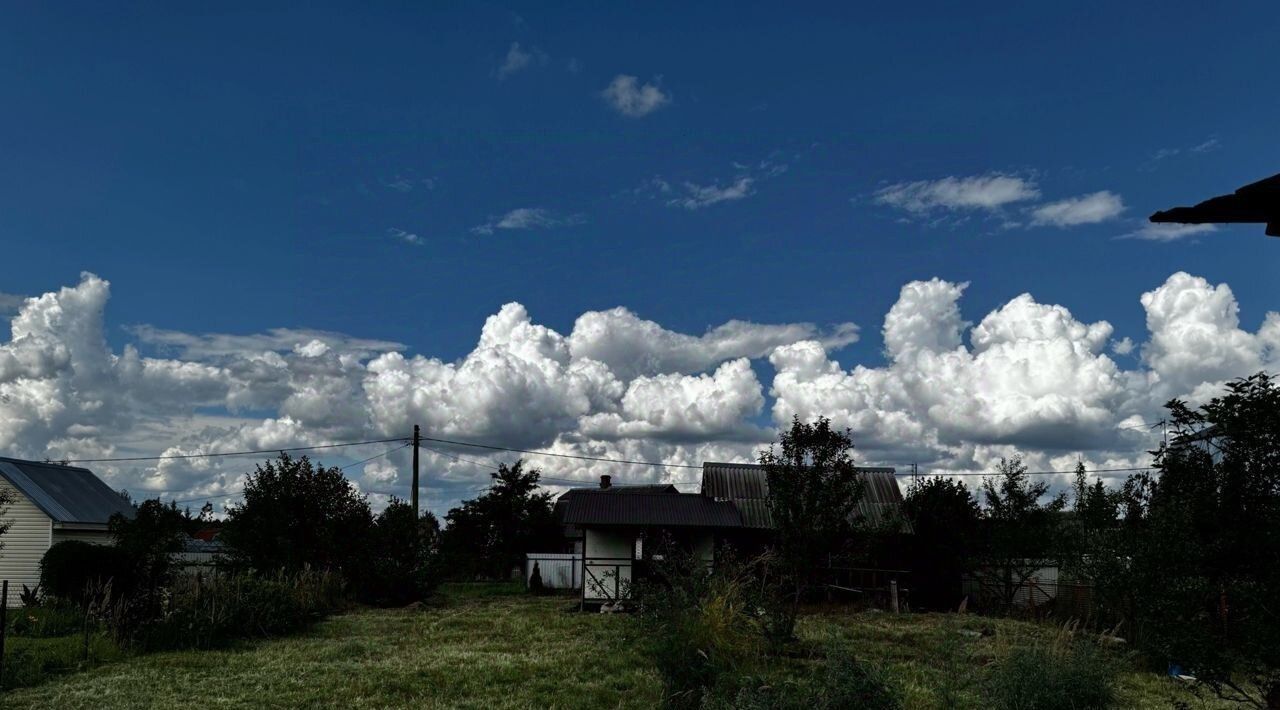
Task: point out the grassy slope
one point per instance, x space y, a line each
482 650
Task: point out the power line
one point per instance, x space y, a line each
340 468
230 453
1034 473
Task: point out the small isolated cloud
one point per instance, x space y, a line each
574 65
1153 232
699 196
407 237
1086 209
988 192
630 98
1123 346
518 59
1212 144
528 218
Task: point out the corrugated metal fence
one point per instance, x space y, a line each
558 570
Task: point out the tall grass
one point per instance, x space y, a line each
1065 673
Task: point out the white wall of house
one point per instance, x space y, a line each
93 537
604 577
30 535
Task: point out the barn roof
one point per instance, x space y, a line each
669 509
747 487
67 494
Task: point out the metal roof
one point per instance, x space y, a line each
67 494
747 487
599 507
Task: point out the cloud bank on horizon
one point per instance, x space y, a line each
950 395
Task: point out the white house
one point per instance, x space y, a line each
51 503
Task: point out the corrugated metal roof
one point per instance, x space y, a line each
67 494
747 487
599 507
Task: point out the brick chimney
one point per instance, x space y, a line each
605 483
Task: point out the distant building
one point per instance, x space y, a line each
52 503
613 531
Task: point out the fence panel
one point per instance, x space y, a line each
558 570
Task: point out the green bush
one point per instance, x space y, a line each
204 613
1068 674
46 621
71 567
29 661
842 682
704 626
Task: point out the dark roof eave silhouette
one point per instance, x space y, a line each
1254 203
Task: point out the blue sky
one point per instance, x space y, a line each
334 167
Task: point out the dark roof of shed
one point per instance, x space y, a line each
599 507
67 494
747 487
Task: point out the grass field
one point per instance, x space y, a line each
487 647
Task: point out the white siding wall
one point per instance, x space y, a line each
600 579
29 537
92 537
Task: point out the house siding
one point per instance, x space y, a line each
30 535
93 537
608 554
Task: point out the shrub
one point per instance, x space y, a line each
71 567
401 562
199 613
46 621
842 682
535 580
704 627
1068 674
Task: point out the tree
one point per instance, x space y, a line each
1020 531
814 490
402 557
944 519
489 535
1206 559
151 538
296 515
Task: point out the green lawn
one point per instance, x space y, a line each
484 647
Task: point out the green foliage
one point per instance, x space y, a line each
297 515
72 569
402 564
814 490
6 500
205 613
704 626
34 660
842 682
149 540
535 580
944 518
1067 674
488 536
1020 531
1206 550
46 621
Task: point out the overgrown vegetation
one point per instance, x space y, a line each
492 646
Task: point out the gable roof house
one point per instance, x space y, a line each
615 528
52 503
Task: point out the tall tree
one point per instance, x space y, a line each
489 535
296 514
1207 557
1022 527
944 517
814 490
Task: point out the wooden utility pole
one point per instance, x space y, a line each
414 494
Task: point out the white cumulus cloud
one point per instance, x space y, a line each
626 95
1086 209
